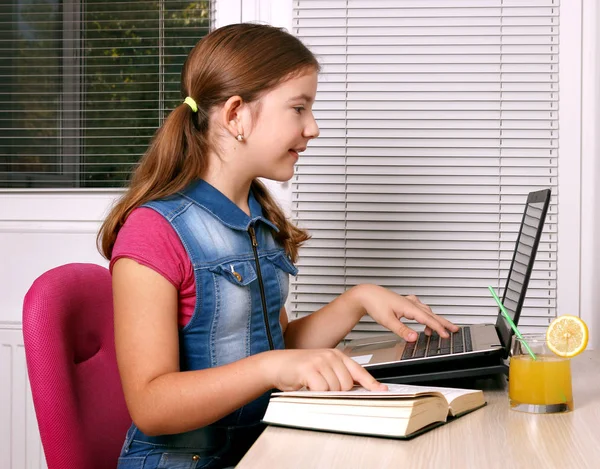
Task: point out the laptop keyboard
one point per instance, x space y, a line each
434 345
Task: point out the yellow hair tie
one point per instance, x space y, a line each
191 103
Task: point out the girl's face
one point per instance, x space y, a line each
283 127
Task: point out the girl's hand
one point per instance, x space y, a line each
387 307
317 370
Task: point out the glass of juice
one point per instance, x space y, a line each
538 386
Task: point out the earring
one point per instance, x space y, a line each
240 138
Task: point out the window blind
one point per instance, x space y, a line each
85 83
437 118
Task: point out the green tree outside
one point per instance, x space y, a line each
82 99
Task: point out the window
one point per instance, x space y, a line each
85 83
437 118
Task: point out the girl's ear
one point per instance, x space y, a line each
235 115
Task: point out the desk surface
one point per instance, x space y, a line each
492 437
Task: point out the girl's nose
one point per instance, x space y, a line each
312 129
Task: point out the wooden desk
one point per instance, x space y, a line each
492 437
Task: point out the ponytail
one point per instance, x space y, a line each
175 158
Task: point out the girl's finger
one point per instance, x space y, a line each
399 328
343 375
429 320
362 376
316 382
447 324
330 375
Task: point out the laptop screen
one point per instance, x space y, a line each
522 262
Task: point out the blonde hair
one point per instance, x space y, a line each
225 63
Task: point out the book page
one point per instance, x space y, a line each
452 393
342 401
394 391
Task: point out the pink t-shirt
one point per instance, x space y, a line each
149 239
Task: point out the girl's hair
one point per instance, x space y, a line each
239 59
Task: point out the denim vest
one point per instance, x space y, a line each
241 277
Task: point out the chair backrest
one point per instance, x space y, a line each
71 361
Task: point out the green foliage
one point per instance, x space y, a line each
82 96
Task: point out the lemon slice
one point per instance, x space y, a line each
567 336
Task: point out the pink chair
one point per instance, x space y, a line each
70 351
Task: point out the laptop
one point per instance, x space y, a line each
475 350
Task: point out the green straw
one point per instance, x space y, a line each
512 324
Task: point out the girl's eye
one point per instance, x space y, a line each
299 109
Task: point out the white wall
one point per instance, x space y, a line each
43 229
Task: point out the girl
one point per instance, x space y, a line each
200 257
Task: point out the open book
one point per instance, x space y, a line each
403 411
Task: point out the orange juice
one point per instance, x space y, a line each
542 382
